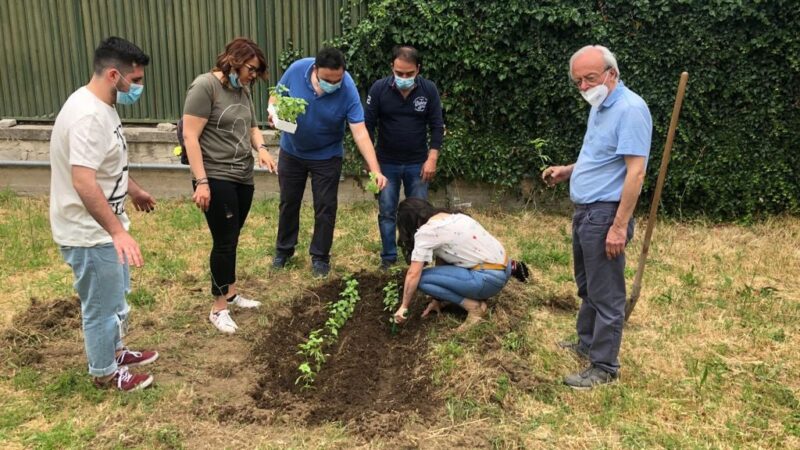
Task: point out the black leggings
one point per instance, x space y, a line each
227 212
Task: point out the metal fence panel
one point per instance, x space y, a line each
47 46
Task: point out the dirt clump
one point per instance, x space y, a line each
372 380
40 322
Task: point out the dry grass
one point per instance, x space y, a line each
709 359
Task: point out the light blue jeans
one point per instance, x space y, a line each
453 284
102 283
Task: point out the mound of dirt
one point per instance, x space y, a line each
372 379
40 321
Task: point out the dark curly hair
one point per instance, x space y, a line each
412 213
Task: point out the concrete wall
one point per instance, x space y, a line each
153 146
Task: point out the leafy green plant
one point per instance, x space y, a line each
734 155
315 357
391 297
372 186
313 349
287 108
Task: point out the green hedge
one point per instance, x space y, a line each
502 70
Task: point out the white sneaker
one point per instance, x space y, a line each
222 320
242 302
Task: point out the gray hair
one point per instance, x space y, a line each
608 57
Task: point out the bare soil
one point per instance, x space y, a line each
371 382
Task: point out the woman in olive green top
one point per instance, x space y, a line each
220 132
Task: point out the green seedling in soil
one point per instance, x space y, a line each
343 309
287 108
315 357
372 186
312 349
391 297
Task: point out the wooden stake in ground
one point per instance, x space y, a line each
662 173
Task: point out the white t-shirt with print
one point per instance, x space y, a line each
459 240
88 133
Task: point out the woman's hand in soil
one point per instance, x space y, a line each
401 315
434 305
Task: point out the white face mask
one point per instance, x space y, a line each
596 95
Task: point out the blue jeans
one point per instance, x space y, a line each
601 284
389 197
102 283
453 284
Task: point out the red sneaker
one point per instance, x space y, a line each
126 381
129 358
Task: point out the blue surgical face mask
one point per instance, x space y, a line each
234 79
130 97
329 88
404 84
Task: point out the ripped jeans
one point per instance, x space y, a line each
102 283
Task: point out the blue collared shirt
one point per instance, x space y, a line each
320 130
620 126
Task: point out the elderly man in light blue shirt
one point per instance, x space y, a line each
605 184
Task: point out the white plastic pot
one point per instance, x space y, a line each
283 125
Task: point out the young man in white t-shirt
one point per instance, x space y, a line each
89 185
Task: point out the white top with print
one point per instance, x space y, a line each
87 133
458 240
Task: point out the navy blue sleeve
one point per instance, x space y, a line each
371 111
435 121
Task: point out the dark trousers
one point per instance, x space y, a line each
227 212
292 175
601 284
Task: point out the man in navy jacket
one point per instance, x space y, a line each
407 111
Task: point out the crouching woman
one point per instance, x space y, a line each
472 265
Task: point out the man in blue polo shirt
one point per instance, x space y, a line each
605 184
406 108
316 149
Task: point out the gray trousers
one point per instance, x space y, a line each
601 284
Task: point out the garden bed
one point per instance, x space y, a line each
372 380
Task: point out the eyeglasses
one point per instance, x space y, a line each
591 79
252 69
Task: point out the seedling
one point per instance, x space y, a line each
315 357
391 297
340 311
372 186
287 108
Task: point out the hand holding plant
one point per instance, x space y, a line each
372 186
401 315
285 107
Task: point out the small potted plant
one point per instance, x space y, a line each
285 110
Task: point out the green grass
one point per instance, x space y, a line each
709 360
61 436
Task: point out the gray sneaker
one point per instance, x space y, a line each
575 348
589 378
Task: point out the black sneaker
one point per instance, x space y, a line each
320 269
519 270
279 261
592 376
387 264
575 348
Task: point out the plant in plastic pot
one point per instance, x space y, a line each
286 109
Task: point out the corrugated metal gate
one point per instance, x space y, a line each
47 45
